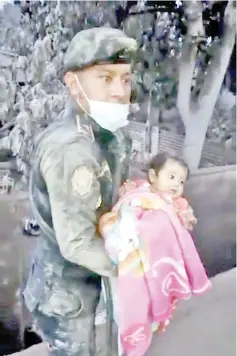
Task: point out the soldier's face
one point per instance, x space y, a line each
104 82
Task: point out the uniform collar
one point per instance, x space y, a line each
75 113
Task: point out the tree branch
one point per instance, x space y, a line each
186 68
195 30
218 66
4 129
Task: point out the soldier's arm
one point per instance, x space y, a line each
74 193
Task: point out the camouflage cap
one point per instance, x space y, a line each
96 45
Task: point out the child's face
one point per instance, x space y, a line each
171 178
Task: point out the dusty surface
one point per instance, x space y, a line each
14 247
201 326
204 325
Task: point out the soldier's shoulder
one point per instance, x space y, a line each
63 146
61 136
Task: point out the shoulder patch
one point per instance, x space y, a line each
82 181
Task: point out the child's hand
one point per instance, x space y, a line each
188 218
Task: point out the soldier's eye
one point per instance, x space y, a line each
106 78
127 80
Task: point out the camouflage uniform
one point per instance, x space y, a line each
76 168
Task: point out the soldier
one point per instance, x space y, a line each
80 161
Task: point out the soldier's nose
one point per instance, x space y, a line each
117 90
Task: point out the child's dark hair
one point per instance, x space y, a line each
158 162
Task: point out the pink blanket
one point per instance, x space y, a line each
158 263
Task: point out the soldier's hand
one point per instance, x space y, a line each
96 259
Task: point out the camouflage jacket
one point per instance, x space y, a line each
77 171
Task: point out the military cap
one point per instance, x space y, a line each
99 44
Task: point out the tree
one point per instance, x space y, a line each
196 111
187 62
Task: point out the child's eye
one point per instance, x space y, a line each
171 176
182 182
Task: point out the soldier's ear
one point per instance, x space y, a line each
71 83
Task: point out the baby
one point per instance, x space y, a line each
167 176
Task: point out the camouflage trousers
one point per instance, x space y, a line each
71 337
63 312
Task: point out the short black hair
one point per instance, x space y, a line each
158 161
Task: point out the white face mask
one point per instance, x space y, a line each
110 116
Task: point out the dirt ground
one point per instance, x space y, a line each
202 326
15 249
